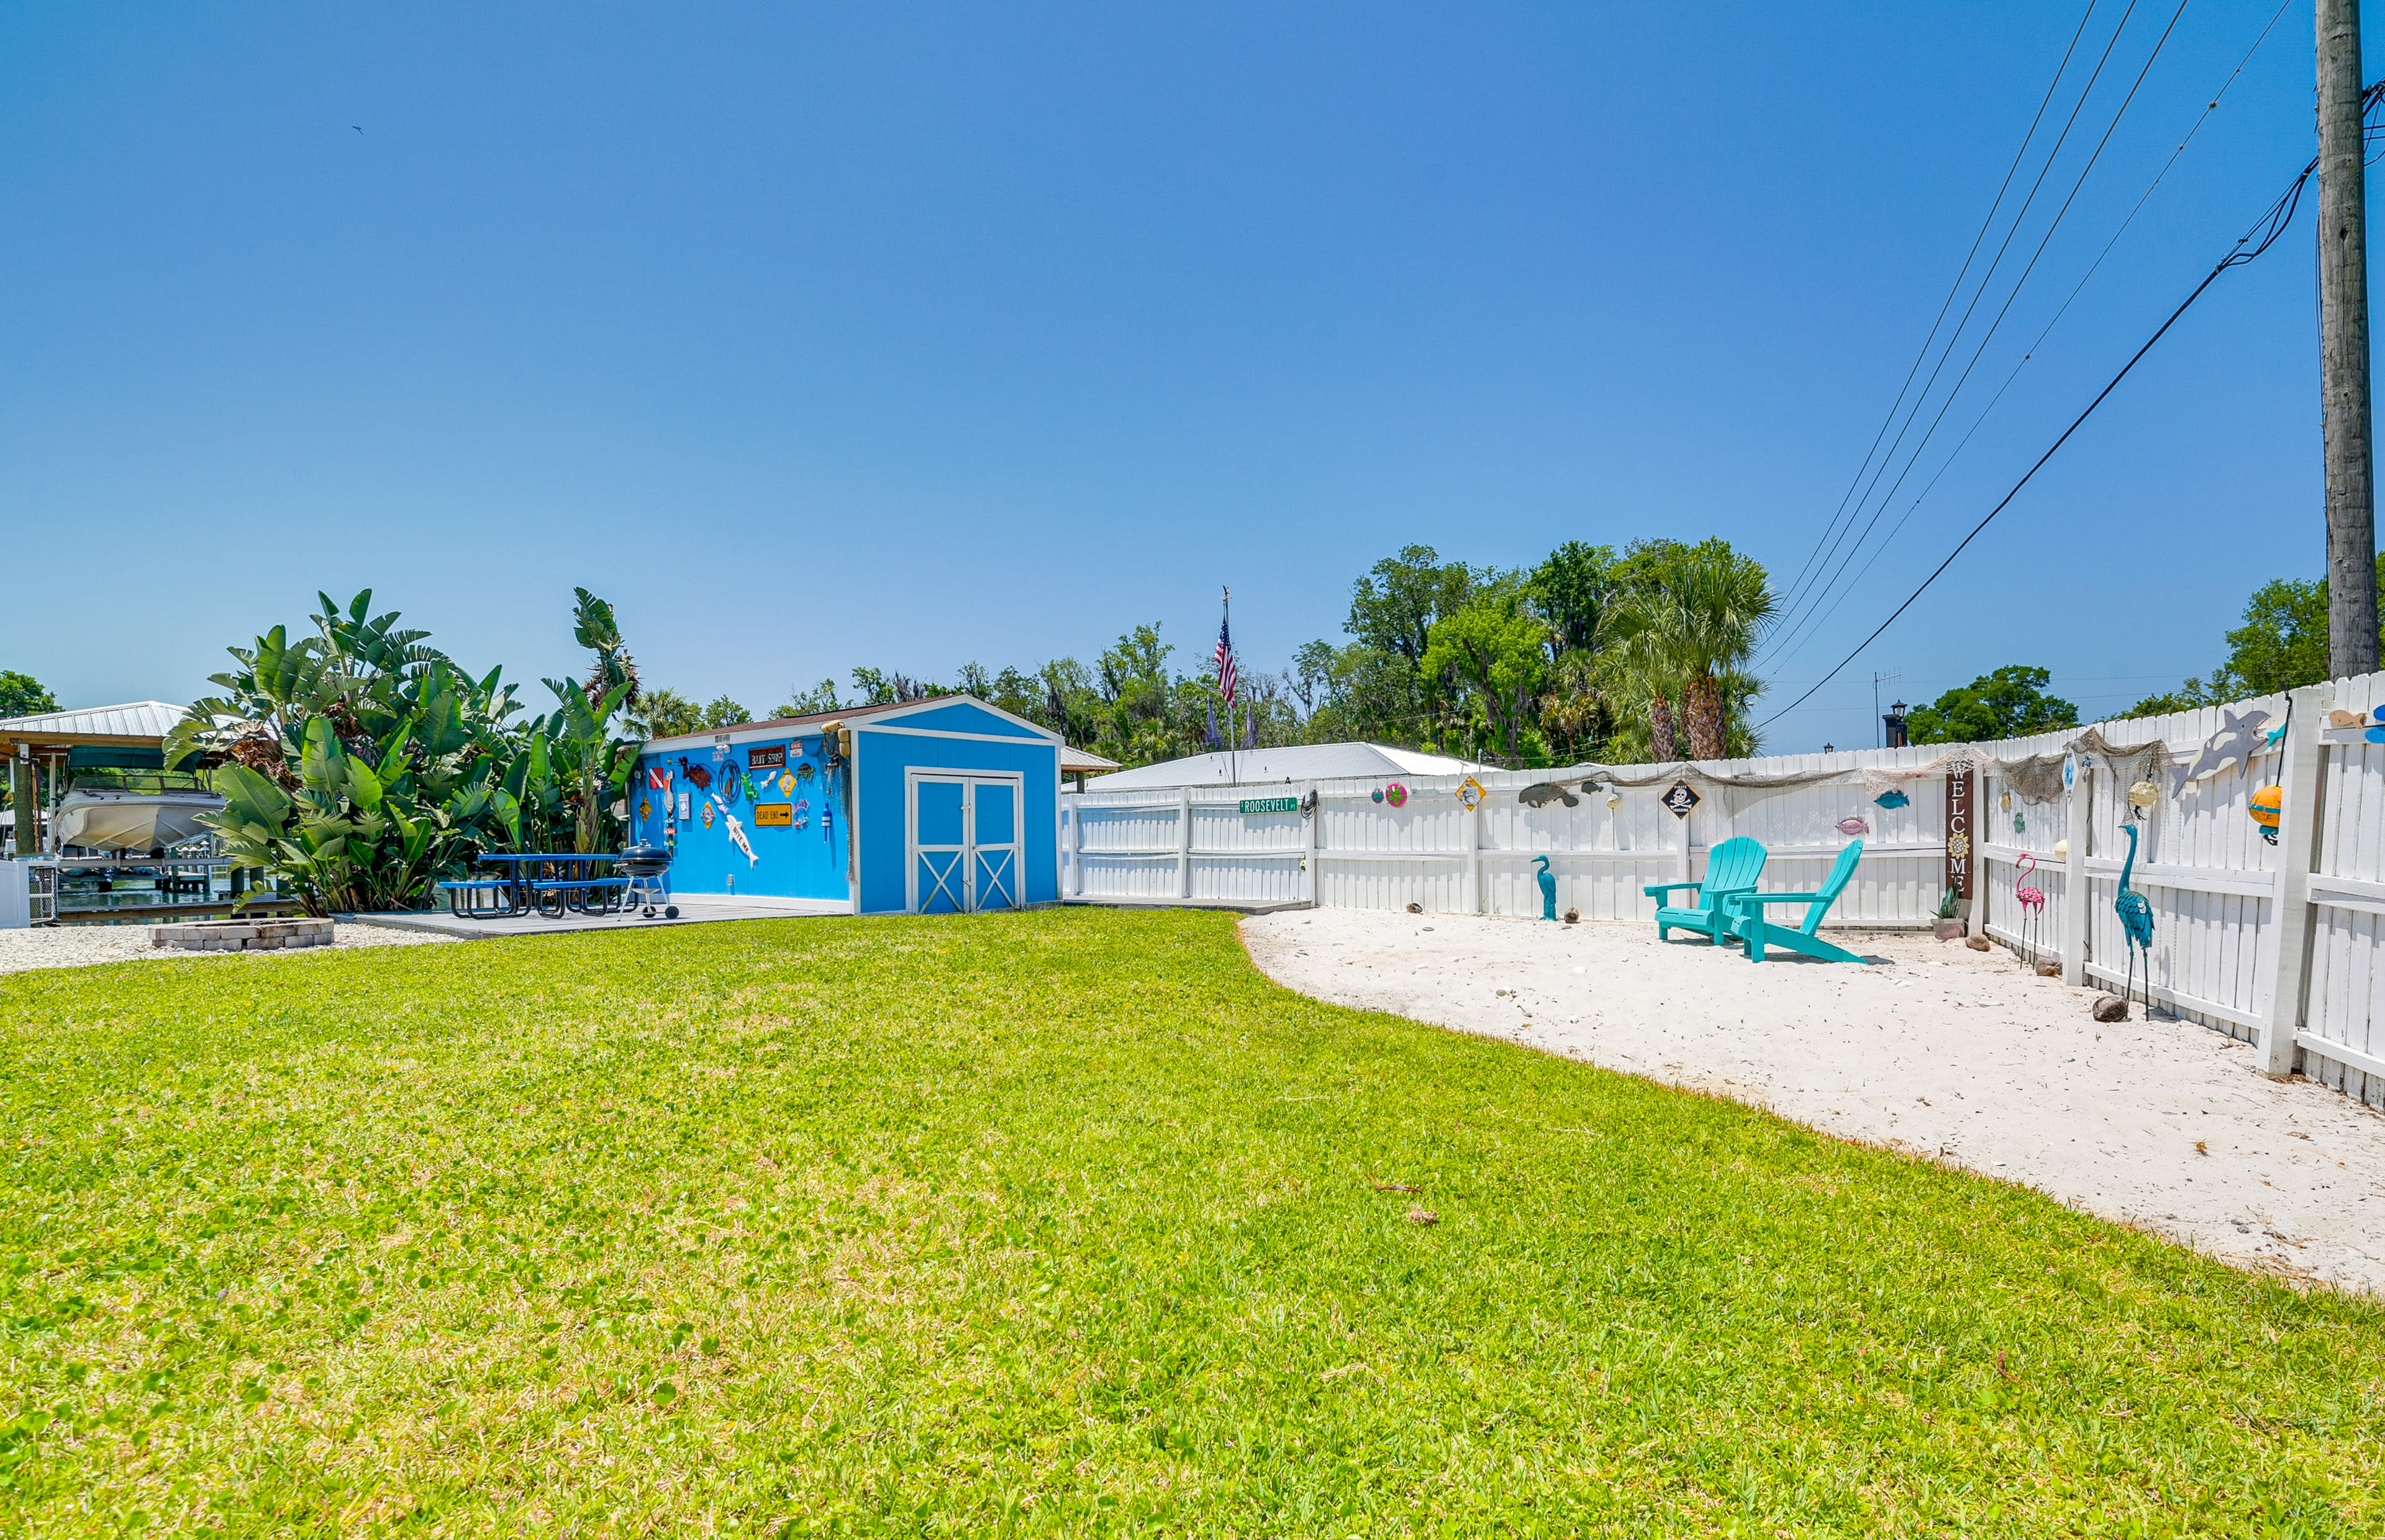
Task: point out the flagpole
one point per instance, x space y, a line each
1234 744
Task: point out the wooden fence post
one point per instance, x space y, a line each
1474 900
1184 842
1077 840
2302 783
2074 874
1309 843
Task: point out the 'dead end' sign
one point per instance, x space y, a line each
1682 799
773 815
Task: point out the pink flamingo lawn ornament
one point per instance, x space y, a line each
2031 897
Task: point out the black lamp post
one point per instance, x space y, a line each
1893 720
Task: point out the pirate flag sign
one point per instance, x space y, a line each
1681 799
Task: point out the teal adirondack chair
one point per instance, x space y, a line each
1750 926
1731 867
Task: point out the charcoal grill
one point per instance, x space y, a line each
648 869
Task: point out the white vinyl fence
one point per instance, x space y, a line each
2278 951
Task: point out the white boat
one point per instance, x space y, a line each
124 821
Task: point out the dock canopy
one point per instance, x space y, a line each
131 736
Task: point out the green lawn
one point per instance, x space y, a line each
1063 1223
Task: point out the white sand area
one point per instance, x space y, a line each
1959 1054
82 946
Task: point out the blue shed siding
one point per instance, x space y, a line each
788 863
881 757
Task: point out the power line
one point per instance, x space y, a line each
2092 269
2011 297
2266 232
1948 303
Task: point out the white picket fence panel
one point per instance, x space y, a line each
2246 939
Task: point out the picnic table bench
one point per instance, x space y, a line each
573 885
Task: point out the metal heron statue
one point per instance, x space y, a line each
1548 890
2136 919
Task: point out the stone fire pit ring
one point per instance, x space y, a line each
273 935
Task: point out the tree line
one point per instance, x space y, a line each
1589 655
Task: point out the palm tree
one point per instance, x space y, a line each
1691 633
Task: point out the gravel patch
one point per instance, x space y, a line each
1963 1056
88 945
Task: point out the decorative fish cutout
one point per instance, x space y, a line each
1854 824
2233 744
1893 798
695 773
1546 793
736 837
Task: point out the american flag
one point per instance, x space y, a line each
1225 664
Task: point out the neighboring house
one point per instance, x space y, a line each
1298 762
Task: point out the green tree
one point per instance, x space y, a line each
2010 702
882 688
360 764
807 703
1688 624
2280 646
1493 652
22 695
593 626
723 712
664 712
1144 721
1571 589
1393 607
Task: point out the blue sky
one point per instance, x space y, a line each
908 336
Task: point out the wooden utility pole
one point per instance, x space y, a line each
2343 345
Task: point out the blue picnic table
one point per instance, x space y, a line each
553 882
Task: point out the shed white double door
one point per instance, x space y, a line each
962 829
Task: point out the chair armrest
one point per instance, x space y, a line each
1755 899
1661 889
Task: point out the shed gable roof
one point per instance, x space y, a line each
994 722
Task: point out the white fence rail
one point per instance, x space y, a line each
2281 952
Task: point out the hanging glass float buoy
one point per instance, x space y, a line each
2062 850
2005 802
2020 824
2144 794
2264 809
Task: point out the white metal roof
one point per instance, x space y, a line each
1299 762
151 719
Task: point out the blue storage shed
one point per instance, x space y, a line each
926 807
